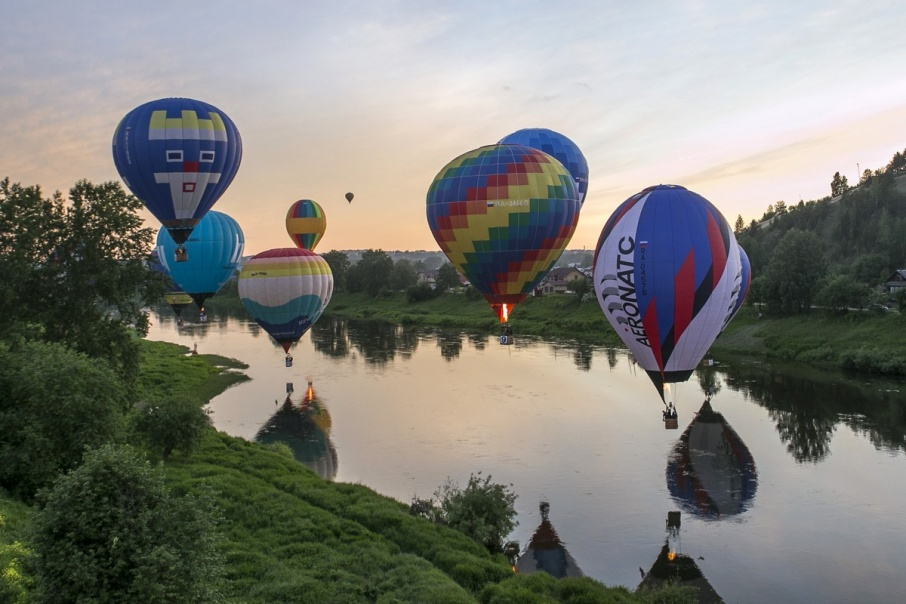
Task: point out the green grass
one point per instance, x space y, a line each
169 369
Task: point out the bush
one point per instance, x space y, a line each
110 531
484 511
177 422
54 402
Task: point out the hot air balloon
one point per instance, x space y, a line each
285 290
558 146
745 279
176 297
214 250
305 223
503 215
666 273
177 156
349 197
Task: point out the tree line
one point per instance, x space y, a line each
834 253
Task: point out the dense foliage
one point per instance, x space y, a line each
850 239
54 402
74 270
485 511
111 531
176 422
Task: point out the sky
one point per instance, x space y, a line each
744 103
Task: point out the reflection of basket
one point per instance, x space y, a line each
671 423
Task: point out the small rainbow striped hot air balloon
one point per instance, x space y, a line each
305 223
503 215
285 290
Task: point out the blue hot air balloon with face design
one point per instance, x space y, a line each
178 156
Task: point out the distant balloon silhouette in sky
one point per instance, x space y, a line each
349 197
178 156
503 215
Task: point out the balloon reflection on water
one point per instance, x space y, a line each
711 472
304 426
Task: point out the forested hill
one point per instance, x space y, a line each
861 231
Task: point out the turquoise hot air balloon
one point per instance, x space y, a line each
214 250
178 156
285 290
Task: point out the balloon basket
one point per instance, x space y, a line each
671 423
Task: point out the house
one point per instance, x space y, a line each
896 282
559 280
429 277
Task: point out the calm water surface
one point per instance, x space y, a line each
792 489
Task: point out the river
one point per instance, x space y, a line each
788 483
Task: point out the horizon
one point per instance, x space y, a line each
745 106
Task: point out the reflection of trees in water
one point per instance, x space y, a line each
611 357
808 405
377 341
707 379
478 340
582 354
329 337
450 344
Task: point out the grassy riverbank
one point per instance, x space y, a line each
290 536
861 341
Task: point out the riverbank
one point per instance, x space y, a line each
862 341
290 536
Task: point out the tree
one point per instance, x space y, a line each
841 292
371 274
339 266
403 275
484 511
839 185
75 271
780 208
447 278
793 273
110 531
178 422
740 225
54 402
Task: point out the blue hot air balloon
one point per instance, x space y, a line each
745 281
214 250
178 156
666 275
560 147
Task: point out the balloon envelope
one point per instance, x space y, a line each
349 197
745 281
503 215
177 156
214 251
285 290
305 223
665 275
560 147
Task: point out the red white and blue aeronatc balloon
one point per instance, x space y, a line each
745 280
667 274
178 156
558 146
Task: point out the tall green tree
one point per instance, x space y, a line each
371 274
447 278
110 531
403 275
839 185
339 266
54 402
794 273
75 270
